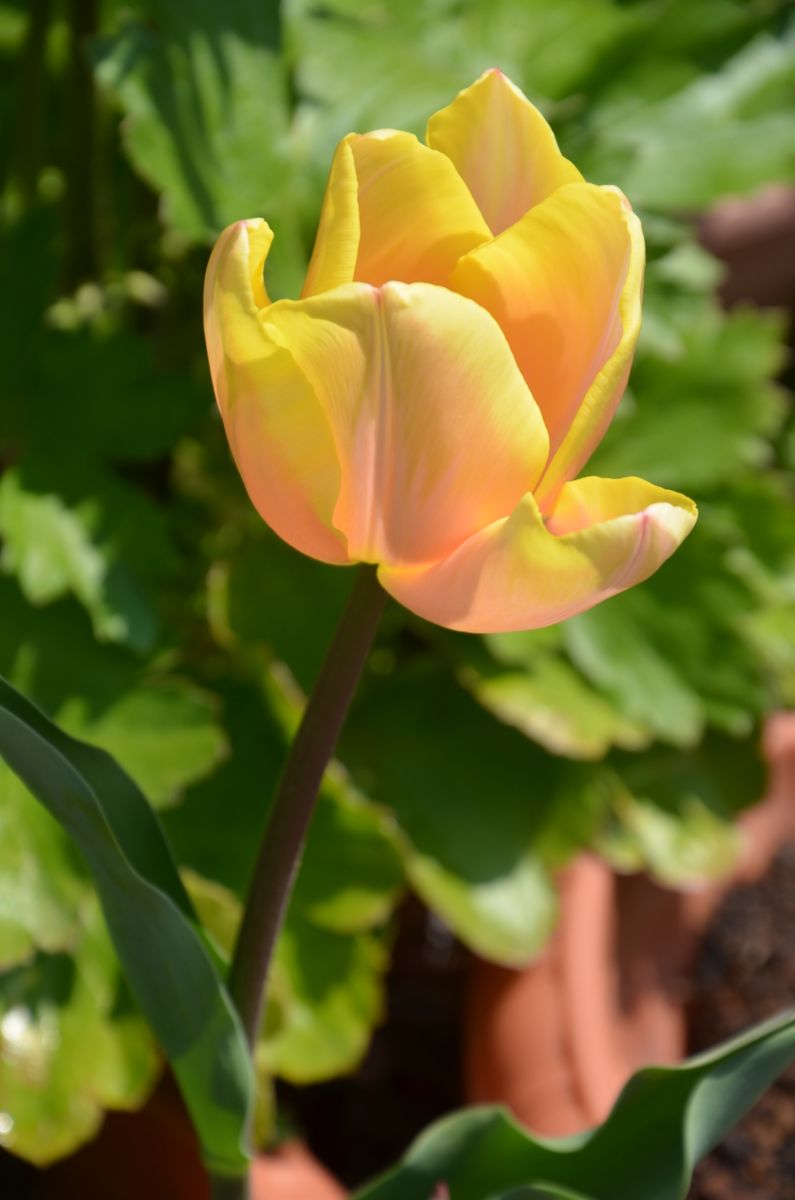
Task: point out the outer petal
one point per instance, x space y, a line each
393 210
565 285
502 148
277 430
435 429
603 536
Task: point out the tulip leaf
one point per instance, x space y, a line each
664 1121
170 969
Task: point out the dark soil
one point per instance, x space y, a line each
746 972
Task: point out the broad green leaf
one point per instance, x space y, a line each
325 997
55 547
269 596
483 812
325 990
43 886
664 1121
675 813
615 653
351 873
668 432
542 695
207 125
162 728
105 392
165 733
72 1045
727 132
171 972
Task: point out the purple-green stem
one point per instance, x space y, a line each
291 814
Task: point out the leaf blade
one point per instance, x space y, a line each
170 969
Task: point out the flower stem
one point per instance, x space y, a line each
291 814
294 803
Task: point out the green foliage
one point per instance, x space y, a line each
170 970
73 1045
664 1121
144 607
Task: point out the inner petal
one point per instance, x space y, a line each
555 281
394 209
502 148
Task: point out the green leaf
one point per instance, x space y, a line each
351 874
164 732
538 692
285 604
170 970
483 812
667 431
664 1121
325 990
54 549
324 999
676 811
43 886
163 729
611 647
72 1046
205 97
727 132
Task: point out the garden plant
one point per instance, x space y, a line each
397 613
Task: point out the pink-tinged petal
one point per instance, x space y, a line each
603 536
565 285
435 430
393 210
277 429
502 148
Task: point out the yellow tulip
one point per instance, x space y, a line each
464 335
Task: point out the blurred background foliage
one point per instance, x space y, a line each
145 606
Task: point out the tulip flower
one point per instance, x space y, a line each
463 338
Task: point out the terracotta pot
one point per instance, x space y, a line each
557 1041
293 1174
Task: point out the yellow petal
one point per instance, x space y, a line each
603 536
393 210
435 429
277 430
565 284
502 148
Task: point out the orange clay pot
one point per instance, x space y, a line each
293 1174
558 1040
